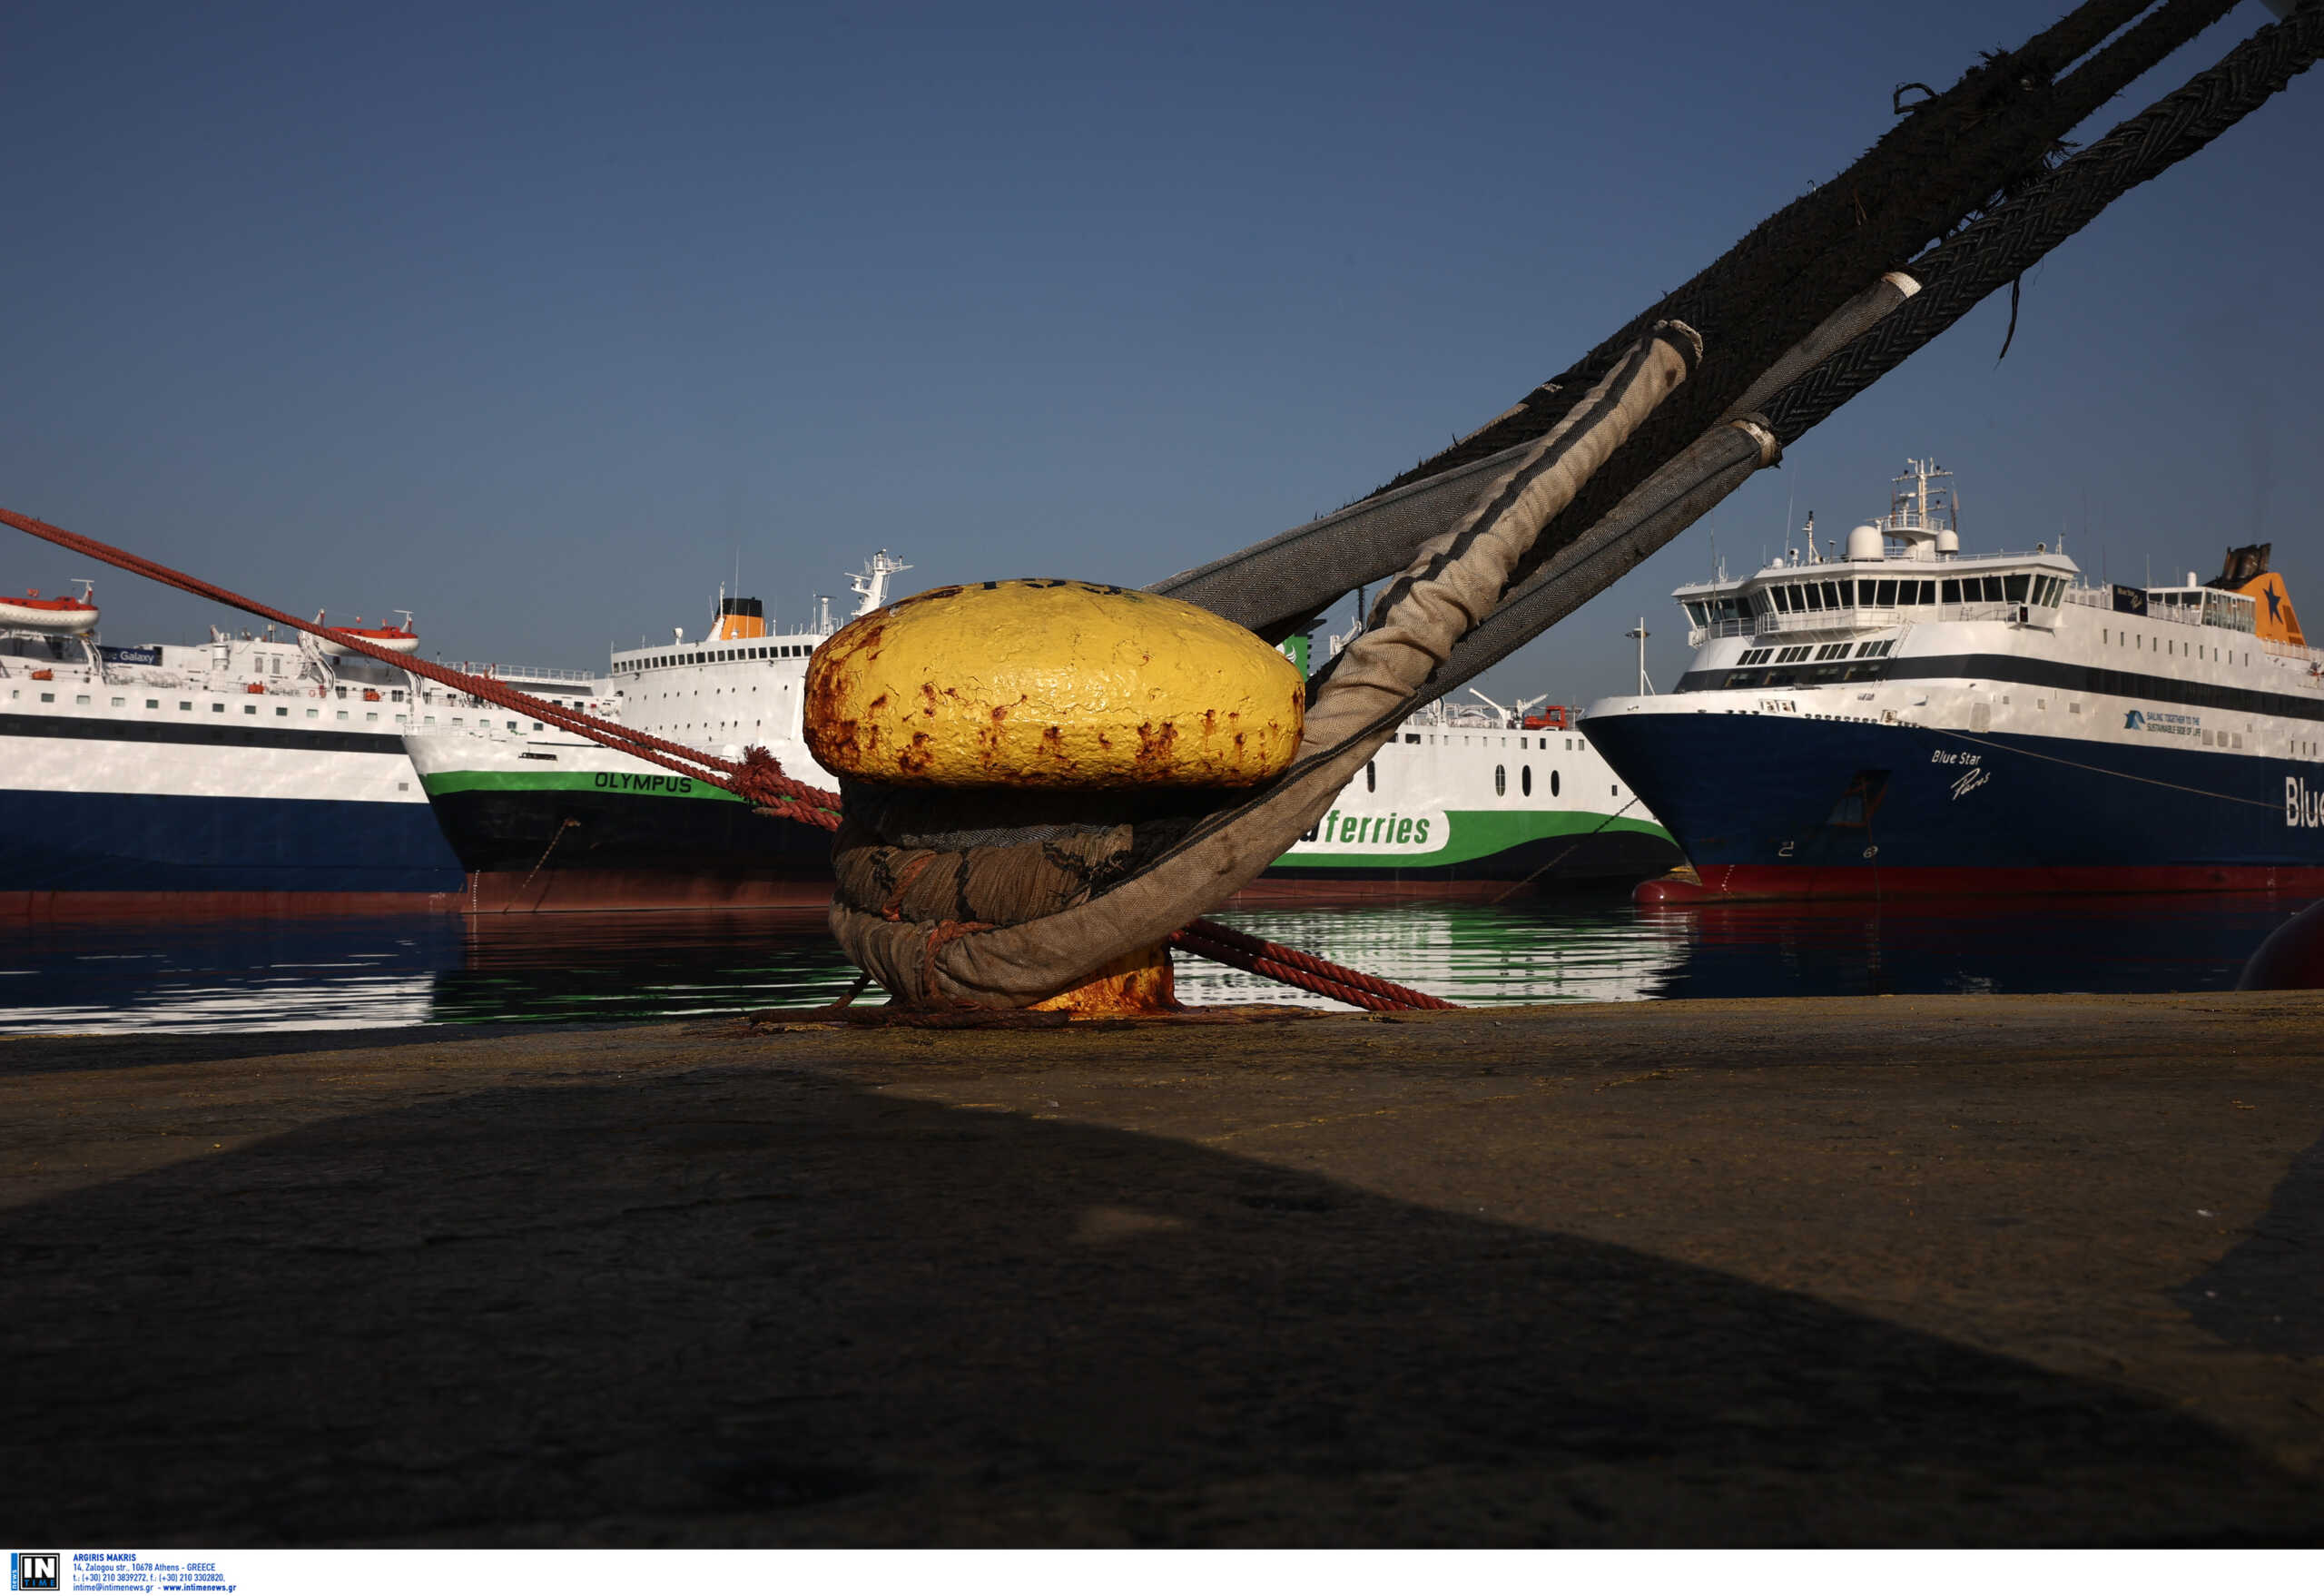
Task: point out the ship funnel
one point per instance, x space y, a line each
739 617
1865 543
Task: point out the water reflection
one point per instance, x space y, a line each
288 974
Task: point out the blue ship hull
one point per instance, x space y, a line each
1781 805
122 844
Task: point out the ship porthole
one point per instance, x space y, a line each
1526 780
1371 777
1554 783
1500 781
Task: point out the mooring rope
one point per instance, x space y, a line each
757 777
1256 955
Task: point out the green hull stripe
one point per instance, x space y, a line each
1473 833
1479 833
657 785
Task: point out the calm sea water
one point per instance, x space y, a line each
291 974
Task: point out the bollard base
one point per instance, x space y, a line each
1137 983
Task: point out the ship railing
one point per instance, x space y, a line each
1872 619
501 673
1857 618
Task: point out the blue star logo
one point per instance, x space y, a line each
2275 603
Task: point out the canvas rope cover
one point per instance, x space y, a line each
948 900
967 927
1005 926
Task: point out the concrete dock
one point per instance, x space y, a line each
1952 1270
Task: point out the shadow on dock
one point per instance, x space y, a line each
2268 1294
754 1304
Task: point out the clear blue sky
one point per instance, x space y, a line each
533 321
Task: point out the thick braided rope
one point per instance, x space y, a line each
1227 945
1999 247
757 777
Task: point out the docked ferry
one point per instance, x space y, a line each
250 772
1467 798
546 820
1905 719
1471 800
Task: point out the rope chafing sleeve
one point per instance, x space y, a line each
756 777
1450 581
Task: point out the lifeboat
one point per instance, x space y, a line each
394 639
1552 719
29 612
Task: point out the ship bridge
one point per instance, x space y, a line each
1816 615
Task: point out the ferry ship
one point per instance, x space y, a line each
249 773
1467 800
1907 720
1474 800
549 821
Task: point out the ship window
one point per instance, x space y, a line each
1883 595
221 709
2012 587
283 712
1554 783
247 708
342 714
1840 594
1815 595
1928 592
1412 736
1782 597
1525 779
48 698
183 704
1501 781
1951 591
1371 777
313 714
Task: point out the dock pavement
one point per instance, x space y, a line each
1956 1270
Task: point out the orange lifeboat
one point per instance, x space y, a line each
394 639
29 612
1550 719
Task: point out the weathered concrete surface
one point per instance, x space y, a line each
1882 1270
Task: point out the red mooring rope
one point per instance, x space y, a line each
757 777
1227 945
